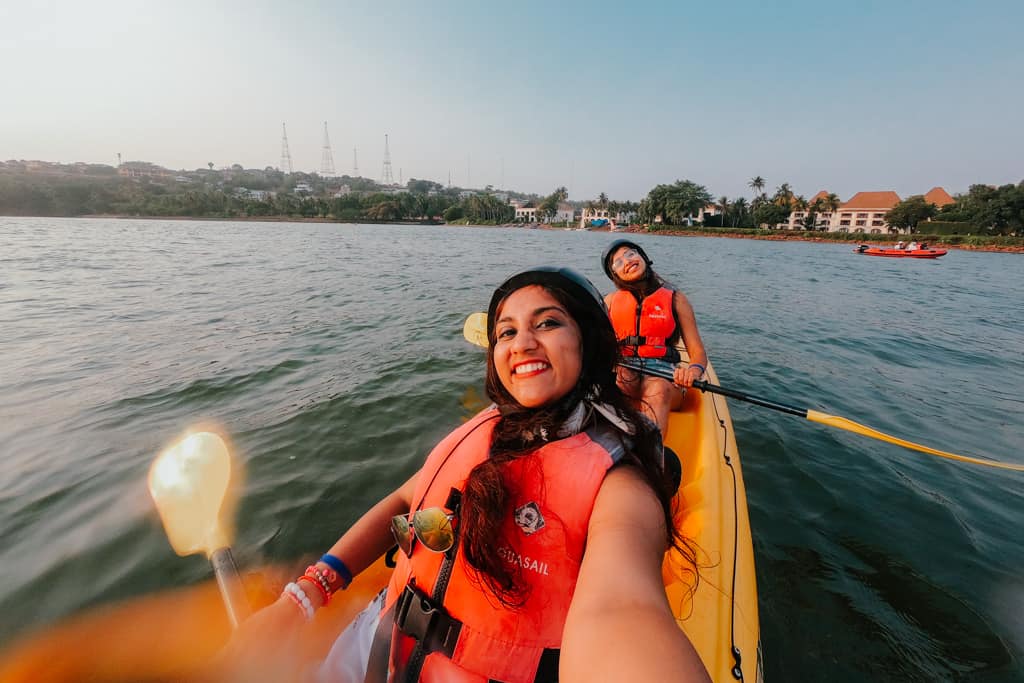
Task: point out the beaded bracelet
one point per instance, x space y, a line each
324 595
338 566
295 592
323 579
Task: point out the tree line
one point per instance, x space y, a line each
238 192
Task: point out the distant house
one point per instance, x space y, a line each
565 213
526 214
589 216
143 169
797 218
342 191
303 188
865 212
939 197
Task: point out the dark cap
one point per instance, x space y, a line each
565 279
615 246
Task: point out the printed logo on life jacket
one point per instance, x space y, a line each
657 313
526 563
529 519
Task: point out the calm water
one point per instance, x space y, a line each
333 355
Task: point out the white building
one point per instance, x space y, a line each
565 213
526 214
865 212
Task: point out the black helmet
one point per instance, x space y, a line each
615 246
564 278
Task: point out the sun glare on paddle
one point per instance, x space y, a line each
189 483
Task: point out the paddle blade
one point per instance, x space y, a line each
189 485
475 329
857 428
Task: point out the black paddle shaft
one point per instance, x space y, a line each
649 368
756 400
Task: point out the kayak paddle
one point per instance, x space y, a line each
189 485
475 332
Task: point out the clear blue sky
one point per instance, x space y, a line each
613 97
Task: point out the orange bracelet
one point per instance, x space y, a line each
324 594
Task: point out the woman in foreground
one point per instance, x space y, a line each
532 538
650 318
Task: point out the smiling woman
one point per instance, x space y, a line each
562 463
651 318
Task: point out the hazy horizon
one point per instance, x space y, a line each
530 97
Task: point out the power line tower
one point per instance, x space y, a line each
386 177
286 156
355 162
327 159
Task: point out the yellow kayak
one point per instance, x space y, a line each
720 617
173 635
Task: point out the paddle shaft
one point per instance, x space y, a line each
230 584
714 388
756 400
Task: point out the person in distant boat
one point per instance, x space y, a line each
530 542
900 245
924 245
913 246
650 318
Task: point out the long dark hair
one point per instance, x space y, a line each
487 498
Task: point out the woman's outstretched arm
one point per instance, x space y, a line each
620 627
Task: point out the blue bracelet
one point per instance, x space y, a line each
338 566
698 365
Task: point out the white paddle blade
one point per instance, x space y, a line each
189 484
475 329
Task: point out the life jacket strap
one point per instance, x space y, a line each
417 616
641 340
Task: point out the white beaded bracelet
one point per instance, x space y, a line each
301 599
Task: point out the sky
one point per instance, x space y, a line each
611 97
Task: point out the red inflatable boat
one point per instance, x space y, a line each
900 253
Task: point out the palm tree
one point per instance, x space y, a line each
739 208
784 195
723 205
756 184
602 200
832 202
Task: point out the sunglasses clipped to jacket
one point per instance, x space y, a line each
431 526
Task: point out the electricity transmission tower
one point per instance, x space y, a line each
355 162
327 159
386 177
286 156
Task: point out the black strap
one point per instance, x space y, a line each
437 617
380 649
419 617
547 668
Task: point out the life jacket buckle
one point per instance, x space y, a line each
418 617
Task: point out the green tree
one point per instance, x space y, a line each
770 214
908 213
675 203
757 184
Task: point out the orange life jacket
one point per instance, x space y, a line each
475 638
643 328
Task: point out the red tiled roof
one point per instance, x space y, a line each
939 197
872 200
822 194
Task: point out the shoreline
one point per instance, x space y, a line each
771 237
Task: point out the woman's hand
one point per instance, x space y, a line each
265 647
685 376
